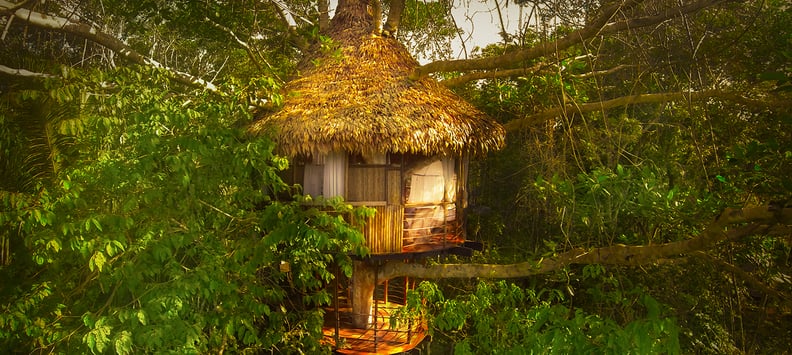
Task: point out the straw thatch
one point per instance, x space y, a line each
357 97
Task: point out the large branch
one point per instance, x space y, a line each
532 70
22 73
462 79
601 26
608 104
95 35
750 220
767 102
24 79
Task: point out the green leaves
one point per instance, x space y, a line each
97 261
122 344
501 317
98 338
160 235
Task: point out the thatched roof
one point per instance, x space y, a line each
358 98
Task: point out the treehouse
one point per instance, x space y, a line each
356 126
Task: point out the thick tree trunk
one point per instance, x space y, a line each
363 284
351 14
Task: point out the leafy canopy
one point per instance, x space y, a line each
161 234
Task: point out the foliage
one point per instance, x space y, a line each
502 317
427 28
651 173
160 235
630 205
141 218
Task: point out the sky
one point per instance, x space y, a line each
479 20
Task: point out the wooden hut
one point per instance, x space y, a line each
357 127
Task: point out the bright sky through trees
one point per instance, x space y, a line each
481 24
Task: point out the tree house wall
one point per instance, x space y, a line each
384 231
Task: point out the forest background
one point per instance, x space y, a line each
641 203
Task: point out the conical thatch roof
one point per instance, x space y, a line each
358 98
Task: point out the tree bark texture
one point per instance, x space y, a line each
394 18
362 289
324 15
351 14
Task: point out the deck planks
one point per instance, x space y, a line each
383 340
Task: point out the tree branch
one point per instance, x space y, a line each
608 104
602 72
324 15
245 45
95 35
24 73
533 70
598 27
376 13
766 103
492 75
291 24
750 219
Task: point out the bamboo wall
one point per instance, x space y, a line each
383 232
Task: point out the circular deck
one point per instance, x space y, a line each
378 338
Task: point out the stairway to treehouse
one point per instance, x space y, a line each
380 336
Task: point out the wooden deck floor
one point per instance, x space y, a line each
381 339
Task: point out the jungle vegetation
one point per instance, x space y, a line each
641 205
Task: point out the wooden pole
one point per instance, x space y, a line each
337 316
386 291
376 313
409 321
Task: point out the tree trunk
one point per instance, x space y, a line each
363 284
351 14
376 12
394 18
324 15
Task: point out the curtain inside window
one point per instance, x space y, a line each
334 174
449 177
